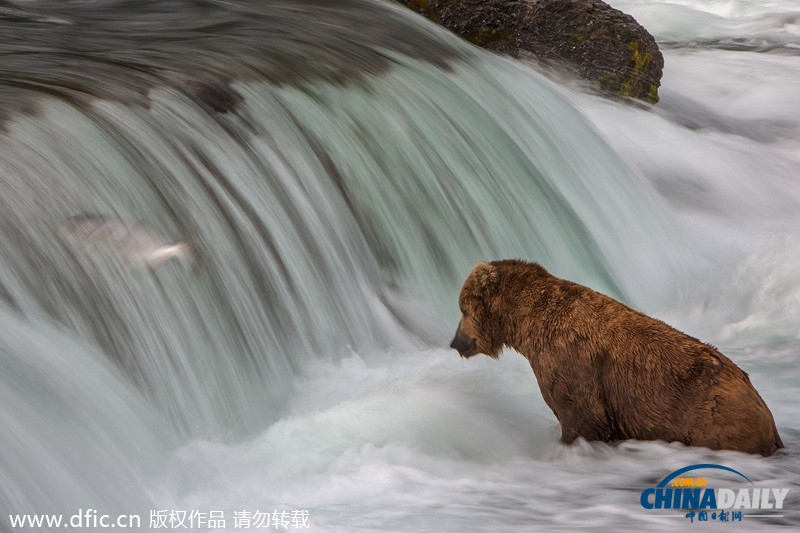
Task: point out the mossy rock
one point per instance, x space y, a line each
586 37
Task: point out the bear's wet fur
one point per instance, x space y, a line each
607 371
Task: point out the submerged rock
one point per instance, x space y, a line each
212 93
586 37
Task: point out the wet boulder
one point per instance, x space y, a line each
587 38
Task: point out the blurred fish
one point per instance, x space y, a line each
137 244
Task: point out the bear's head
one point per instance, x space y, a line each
475 333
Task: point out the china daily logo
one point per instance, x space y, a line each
681 491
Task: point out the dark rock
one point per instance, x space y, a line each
605 45
212 93
586 37
491 24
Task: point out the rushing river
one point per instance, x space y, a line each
338 167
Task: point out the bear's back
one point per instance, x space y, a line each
654 381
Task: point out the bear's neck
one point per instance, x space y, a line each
533 319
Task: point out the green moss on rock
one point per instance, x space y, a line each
587 38
493 38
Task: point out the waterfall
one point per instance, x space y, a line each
337 184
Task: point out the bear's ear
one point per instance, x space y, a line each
486 275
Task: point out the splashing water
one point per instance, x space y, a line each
338 187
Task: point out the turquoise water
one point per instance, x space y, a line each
337 210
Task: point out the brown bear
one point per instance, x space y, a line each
607 371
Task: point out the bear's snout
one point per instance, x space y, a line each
463 344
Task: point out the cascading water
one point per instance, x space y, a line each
337 187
